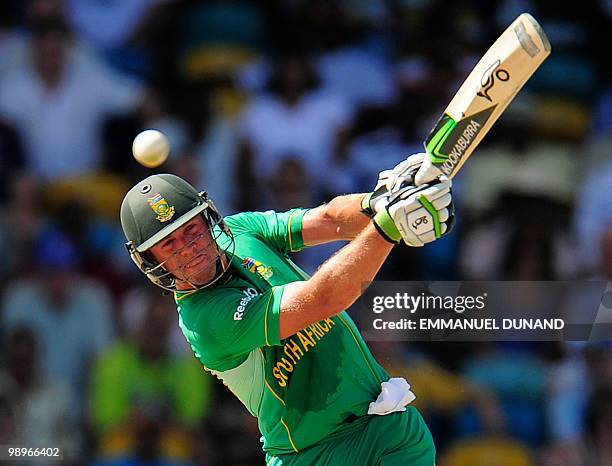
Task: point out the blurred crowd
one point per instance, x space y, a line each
275 104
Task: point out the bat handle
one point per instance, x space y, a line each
427 172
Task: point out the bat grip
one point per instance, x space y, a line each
427 172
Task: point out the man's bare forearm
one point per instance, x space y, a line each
339 219
336 285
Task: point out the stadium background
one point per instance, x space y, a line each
270 105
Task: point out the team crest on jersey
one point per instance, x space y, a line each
257 267
161 207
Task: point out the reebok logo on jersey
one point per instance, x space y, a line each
249 294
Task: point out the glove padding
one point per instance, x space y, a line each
417 214
400 175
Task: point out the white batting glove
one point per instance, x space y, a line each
403 173
417 214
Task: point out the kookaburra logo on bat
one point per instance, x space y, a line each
488 79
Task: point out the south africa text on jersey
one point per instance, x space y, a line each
296 346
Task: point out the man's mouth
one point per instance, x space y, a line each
195 262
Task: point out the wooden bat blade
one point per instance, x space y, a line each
484 95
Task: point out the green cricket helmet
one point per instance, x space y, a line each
157 206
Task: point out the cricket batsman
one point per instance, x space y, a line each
280 340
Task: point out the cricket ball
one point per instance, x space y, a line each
151 148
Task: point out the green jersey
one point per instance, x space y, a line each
313 385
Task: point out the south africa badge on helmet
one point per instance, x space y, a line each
161 207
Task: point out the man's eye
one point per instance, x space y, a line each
193 230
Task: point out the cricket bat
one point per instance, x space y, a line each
483 96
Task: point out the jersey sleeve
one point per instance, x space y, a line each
231 322
281 230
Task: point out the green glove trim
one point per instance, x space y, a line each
434 213
365 205
386 227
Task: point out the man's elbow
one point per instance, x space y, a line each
331 304
306 305
332 300
292 322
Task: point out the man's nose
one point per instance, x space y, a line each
188 247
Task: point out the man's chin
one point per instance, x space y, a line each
197 278
193 282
